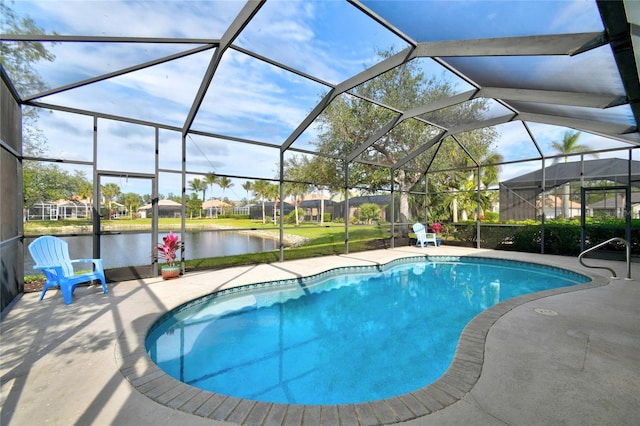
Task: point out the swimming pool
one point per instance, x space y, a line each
345 336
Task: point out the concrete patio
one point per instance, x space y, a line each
570 357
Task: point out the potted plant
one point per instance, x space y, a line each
437 228
167 250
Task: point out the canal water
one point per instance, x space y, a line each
118 250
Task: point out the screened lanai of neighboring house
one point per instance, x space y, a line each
151 96
520 196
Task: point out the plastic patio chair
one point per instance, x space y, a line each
423 237
51 255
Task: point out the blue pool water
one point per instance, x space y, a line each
351 335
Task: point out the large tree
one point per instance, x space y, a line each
19 60
349 121
48 183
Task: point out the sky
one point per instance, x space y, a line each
249 98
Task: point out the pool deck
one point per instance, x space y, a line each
559 358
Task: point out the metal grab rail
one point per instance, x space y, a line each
622 240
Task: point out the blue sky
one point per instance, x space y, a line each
249 98
470 19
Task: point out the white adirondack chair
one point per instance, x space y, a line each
423 237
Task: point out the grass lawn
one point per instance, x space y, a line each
329 233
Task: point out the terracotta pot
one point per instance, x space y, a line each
169 272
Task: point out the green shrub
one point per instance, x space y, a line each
491 217
527 239
497 236
597 234
466 233
563 240
234 216
561 236
369 212
558 239
291 217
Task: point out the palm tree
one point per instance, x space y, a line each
301 169
132 200
210 179
490 176
273 193
247 186
225 183
569 145
86 194
109 192
197 185
260 188
466 201
491 169
297 191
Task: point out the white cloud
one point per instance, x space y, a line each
195 19
576 16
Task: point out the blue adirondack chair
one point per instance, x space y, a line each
51 255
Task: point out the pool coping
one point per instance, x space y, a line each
457 381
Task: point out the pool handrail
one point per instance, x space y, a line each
597 246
